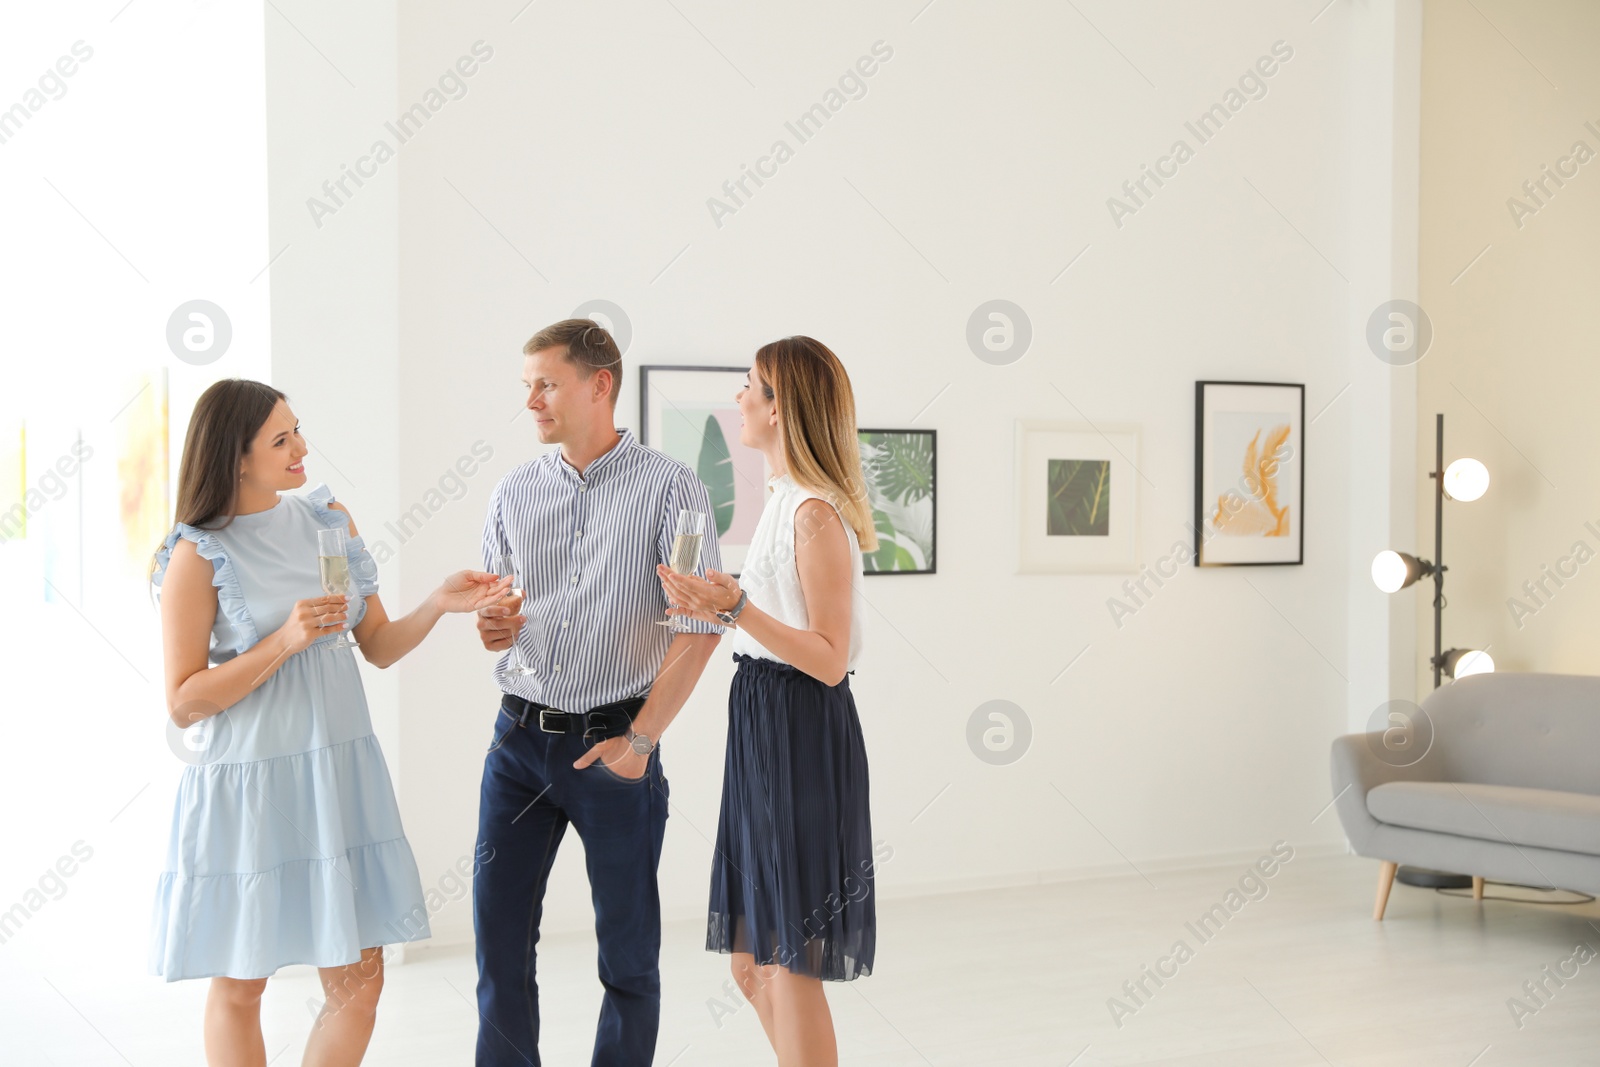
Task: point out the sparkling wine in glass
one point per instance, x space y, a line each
333 565
685 556
505 565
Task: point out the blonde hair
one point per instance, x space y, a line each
817 417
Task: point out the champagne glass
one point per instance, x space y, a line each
507 565
685 557
333 565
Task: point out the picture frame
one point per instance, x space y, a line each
1077 498
902 474
688 412
1249 481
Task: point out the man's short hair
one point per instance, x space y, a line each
588 346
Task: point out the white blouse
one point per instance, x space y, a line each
772 580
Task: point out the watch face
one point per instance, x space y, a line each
641 744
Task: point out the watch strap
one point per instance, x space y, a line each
731 616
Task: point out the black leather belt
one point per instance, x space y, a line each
596 724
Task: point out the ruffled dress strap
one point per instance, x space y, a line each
363 569
230 595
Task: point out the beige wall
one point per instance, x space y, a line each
1506 92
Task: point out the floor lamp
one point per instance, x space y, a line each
1465 480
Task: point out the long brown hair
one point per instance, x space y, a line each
225 422
817 414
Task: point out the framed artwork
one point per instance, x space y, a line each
1249 473
143 504
689 413
1077 498
902 473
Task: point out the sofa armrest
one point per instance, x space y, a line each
1357 769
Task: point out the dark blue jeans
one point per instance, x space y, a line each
530 794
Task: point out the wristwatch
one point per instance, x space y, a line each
731 616
641 743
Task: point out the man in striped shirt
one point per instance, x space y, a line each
574 741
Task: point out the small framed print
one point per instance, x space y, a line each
689 413
1249 474
902 473
1077 498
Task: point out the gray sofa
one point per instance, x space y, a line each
1498 778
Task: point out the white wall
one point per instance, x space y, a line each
1381 168
1513 364
335 278
978 165
135 184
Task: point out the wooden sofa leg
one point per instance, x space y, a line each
1385 881
1477 888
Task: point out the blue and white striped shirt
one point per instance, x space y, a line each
586 550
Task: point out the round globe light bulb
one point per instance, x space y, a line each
1474 662
1389 571
1466 479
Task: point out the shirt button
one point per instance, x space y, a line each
580 533
563 624
574 579
583 488
557 668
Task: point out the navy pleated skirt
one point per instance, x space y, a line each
792 877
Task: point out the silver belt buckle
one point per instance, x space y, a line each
542 723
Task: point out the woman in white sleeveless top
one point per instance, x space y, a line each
792 877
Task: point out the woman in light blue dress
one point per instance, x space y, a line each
286 842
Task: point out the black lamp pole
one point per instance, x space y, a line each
1422 876
1438 552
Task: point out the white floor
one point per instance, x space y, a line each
1301 976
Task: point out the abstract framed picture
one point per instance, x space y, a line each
1077 498
902 473
144 500
1249 474
689 413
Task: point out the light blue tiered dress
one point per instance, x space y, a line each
286 841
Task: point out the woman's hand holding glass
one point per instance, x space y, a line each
698 598
311 619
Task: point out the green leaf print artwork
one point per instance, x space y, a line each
715 468
899 468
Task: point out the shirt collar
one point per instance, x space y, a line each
601 463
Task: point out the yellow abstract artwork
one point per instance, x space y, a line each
142 463
1260 515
